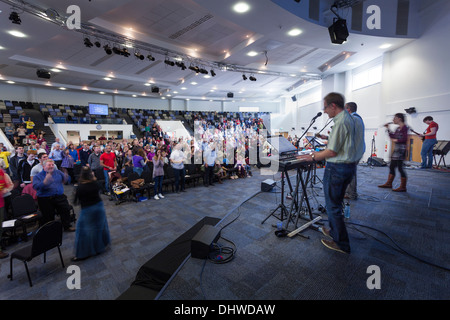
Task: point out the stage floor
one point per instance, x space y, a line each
265 267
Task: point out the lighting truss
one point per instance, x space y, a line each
92 31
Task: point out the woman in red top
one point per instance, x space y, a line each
428 143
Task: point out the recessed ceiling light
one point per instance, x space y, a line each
101 92
207 76
9 81
385 46
107 79
1 48
85 88
351 64
17 34
295 32
252 53
147 84
55 70
194 83
184 88
62 88
175 92
241 7
134 96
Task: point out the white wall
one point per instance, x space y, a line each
85 130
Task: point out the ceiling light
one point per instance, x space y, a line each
184 88
385 46
212 73
194 83
295 32
252 78
14 17
244 77
147 84
101 92
55 70
134 96
97 44
150 57
62 88
107 79
252 53
10 82
17 34
206 76
241 7
168 62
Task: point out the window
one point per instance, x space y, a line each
367 77
248 109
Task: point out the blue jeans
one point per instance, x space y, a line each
336 178
427 153
158 180
179 178
105 172
138 170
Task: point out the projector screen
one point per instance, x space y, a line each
98 109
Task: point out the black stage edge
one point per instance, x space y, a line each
155 273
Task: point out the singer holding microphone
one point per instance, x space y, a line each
399 137
344 149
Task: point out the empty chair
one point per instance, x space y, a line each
47 237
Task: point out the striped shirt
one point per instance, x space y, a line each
346 139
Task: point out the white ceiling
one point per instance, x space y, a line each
199 31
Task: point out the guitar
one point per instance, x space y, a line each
423 138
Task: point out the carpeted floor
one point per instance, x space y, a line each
403 234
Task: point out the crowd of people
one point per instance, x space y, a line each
218 150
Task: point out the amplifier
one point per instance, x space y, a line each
267 185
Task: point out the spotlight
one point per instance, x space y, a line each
98 44
139 56
155 90
88 43
203 71
411 110
212 73
125 52
338 31
107 49
196 69
14 17
116 50
168 62
252 78
244 77
180 65
150 57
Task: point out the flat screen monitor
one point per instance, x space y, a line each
98 109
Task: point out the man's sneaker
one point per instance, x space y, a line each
160 196
156 197
330 244
326 232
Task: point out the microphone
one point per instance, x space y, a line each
317 115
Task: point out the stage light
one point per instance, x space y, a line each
116 50
107 49
244 77
212 73
14 17
203 71
180 65
150 57
88 43
196 69
139 56
338 31
252 78
125 52
98 44
168 62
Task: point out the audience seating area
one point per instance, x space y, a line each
10 111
